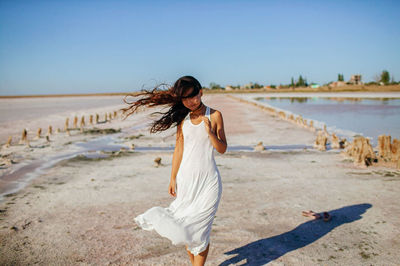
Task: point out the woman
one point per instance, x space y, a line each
195 180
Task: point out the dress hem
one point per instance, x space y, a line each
141 222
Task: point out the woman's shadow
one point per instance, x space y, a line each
265 250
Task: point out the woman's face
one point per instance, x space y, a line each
194 102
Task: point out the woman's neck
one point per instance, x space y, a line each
199 110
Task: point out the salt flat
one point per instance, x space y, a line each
80 210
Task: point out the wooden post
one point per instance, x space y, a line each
82 124
38 133
75 122
23 137
66 124
395 149
384 147
8 143
361 151
320 142
49 131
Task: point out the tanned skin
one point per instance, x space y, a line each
216 133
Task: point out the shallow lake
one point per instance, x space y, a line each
346 116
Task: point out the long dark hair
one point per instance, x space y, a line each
171 97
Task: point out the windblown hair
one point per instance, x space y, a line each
171 97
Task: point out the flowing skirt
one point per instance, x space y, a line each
189 218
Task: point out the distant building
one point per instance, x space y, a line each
228 88
337 84
355 79
269 87
247 86
314 86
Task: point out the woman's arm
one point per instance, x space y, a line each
176 160
218 139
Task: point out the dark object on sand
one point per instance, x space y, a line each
325 215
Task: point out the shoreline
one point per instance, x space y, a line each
323 90
66 95
319 125
349 94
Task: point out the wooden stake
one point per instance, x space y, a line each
66 124
49 131
75 122
38 133
23 137
8 143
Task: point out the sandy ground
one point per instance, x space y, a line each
79 211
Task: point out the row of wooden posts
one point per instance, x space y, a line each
360 150
296 120
388 152
93 119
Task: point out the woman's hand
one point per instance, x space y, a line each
171 188
207 124
216 135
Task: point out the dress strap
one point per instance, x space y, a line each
208 113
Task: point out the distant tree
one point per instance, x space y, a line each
385 77
257 86
215 86
340 77
292 83
301 82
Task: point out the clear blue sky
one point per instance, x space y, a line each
111 46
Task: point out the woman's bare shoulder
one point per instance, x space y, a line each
216 116
215 112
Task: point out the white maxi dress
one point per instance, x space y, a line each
189 218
